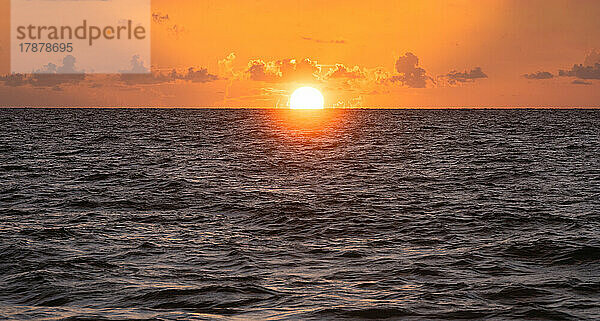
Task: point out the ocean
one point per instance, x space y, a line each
161 214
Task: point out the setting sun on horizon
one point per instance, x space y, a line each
307 98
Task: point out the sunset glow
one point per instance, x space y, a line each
399 54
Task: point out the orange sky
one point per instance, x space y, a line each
470 53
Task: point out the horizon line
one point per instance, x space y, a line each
326 108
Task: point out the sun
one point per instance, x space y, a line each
307 98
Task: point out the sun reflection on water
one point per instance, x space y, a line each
308 121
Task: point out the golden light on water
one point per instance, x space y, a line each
307 98
309 122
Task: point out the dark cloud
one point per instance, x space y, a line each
41 80
334 42
539 75
581 82
305 69
195 75
145 79
410 74
49 75
582 72
67 67
198 75
258 70
282 70
590 69
15 80
139 74
341 71
137 67
53 80
454 76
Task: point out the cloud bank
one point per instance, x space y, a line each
455 77
539 75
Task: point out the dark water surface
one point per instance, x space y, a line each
258 214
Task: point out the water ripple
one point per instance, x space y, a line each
256 214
